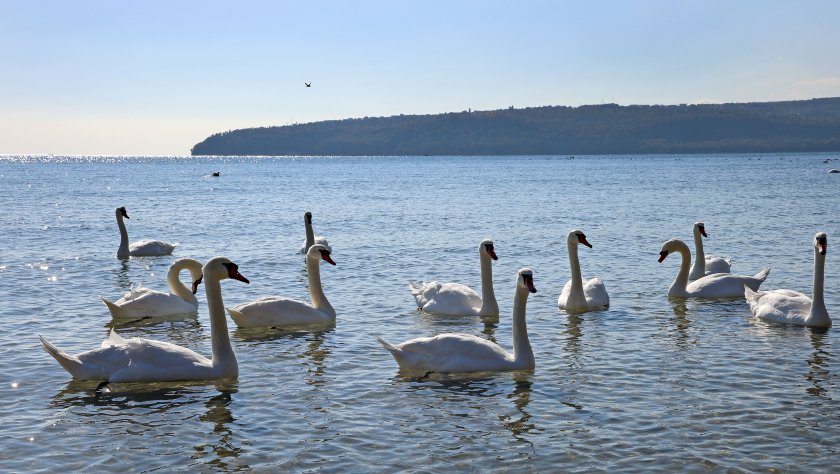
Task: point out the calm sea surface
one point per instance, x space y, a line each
649 384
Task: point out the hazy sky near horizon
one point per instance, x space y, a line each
156 77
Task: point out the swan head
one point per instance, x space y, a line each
319 252
219 269
525 280
121 212
700 227
673 245
486 248
307 216
577 237
821 242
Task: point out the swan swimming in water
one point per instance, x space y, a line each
579 295
706 264
143 302
276 311
141 248
311 238
793 307
455 299
716 285
453 352
144 360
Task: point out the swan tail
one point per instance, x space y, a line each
70 363
237 316
387 345
758 279
115 310
750 295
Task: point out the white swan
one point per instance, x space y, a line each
141 248
468 353
706 264
144 360
579 295
716 285
311 238
142 302
276 311
456 299
792 307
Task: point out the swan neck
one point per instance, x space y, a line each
699 255
576 293
224 360
489 306
678 288
523 355
122 252
817 297
177 286
316 292
310 234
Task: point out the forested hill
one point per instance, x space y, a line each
807 125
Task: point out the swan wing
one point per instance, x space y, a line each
277 311
781 306
725 285
446 298
596 293
143 302
718 264
150 248
450 353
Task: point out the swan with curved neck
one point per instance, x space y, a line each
455 299
793 307
579 295
145 360
276 311
141 248
311 238
467 353
143 302
716 285
706 264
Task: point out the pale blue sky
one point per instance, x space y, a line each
156 77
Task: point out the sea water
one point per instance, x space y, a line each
649 384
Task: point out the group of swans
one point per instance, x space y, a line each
143 360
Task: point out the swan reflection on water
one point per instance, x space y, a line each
155 404
818 363
483 385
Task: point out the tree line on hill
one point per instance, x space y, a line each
805 125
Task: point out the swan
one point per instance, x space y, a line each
467 353
277 311
142 302
457 299
141 248
792 307
706 264
311 238
145 360
717 285
579 295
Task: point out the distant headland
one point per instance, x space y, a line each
790 126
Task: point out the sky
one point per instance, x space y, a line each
156 77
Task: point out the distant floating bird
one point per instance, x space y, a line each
308 84
834 171
215 173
